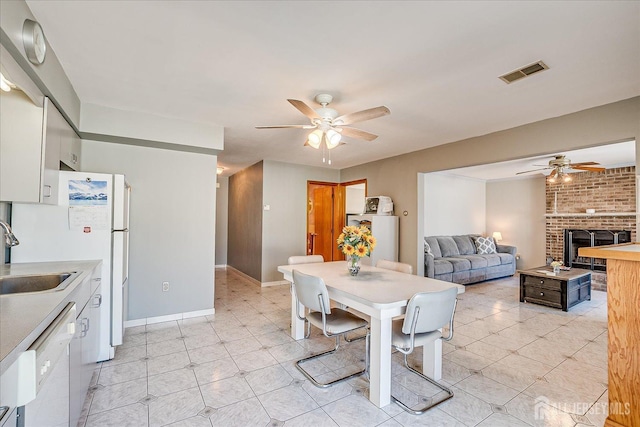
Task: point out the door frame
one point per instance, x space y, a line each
339 211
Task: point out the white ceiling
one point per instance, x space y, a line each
434 64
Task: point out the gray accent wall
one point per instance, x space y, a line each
222 220
397 176
244 247
285 223
172 225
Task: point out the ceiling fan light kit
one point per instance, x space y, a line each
328 126
558 166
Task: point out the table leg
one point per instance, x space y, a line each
432 360
380 368
297 325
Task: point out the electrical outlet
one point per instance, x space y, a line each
165 286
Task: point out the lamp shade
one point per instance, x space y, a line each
333 139
497 236
315 138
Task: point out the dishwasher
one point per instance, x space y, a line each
38 382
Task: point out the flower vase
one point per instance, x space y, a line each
353 264
556 269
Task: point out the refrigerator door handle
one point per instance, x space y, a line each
124 230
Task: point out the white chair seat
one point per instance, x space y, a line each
402 340
338 322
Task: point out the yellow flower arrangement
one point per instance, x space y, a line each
356 241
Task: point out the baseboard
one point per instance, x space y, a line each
168 318
243 275
274 283
221 267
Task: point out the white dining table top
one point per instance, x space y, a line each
375 287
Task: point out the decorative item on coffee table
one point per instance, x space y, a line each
356 242
560 290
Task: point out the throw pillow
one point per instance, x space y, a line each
427 248
485 245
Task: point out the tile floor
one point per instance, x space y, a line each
509 364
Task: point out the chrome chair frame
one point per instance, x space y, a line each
324 312
406 351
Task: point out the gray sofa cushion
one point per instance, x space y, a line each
459 264
505 258
442 266
465 244
435 247
492 259
448 246
477 261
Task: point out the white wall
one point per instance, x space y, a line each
453 205
222 220
516 208
284 226
172 225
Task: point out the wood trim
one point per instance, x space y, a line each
613 251
356 182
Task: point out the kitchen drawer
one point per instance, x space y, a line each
544 282
545 296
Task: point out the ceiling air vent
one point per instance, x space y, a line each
523 72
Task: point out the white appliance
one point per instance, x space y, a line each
91 221
378 205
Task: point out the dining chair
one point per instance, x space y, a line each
395 266
304 259
427 313
312 292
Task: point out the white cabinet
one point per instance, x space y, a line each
84 346
70 149
385 229
29 149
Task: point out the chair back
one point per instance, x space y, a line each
395 266
308 288
305 259
436 309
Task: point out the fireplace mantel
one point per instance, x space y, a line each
582 215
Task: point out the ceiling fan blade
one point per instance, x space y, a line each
356 133
532 170
584 164
587 168
304 109
287 127
360 116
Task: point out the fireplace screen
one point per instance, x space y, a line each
574 239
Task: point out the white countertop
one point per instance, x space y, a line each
23 317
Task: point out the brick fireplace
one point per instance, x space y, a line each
611 193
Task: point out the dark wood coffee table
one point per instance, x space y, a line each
563 290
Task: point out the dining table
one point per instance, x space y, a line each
382 295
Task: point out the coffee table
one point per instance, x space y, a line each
562 290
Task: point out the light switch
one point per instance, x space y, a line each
267 207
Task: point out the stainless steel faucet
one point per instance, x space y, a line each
9 238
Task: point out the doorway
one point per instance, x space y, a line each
326 216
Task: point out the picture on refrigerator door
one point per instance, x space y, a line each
87 193
88 205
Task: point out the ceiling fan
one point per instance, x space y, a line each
559 166
329 127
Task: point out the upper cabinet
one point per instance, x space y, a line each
30 141
70 147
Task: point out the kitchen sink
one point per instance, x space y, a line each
35 283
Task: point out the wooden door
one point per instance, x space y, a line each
325 219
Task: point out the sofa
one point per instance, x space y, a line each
468 258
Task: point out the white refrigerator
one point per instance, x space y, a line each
91 221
